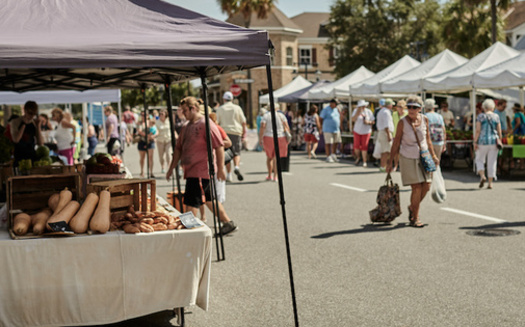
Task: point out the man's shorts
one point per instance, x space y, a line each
236 144
331 138
382 138
195 187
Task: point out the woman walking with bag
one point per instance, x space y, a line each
311 131
488 133
411 142
266 134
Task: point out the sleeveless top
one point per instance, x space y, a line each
310 124
409 146
64 137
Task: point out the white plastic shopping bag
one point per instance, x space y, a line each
438 189
377 150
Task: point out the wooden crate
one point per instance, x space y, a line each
126 192
55 170
30 193
173 199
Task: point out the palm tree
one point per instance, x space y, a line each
247 7
494 6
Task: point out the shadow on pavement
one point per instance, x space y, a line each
500 225
366 229
164 318
375 171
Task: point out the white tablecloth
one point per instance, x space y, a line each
100 279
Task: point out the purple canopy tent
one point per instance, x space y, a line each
99 44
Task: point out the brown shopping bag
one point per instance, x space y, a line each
388 204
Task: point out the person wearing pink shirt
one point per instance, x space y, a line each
191 151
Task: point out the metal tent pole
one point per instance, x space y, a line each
176 177
215 203
281 191
143 91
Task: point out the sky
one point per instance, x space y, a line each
289 7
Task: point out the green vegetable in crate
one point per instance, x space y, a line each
25 164
46 161
42 152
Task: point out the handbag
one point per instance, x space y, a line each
388 203
427 162
287 133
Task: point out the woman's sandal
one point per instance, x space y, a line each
482 182
409 214
416 223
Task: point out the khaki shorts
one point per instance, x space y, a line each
331 138
382 138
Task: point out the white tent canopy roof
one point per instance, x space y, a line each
460 79
372 85
87 44
295 85
340 88
411 81
45 97
509 73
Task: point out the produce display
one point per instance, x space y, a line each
93 216
103 163
458 135
134 222
513 139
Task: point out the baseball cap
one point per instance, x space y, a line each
334 101
382 102
227 96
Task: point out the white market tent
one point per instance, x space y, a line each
13 98
509 73
371 87
296 84
48 97
340 88
460 79
411 81
302 94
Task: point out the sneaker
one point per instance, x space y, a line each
329 159
334 157
268 178
313 154
229 177
364 164
228 227
381 169
238 173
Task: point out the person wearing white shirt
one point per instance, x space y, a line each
385 128
363 118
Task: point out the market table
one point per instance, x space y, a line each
101 279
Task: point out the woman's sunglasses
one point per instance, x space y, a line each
412 107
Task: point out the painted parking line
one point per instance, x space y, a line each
348 187
286 173
475 215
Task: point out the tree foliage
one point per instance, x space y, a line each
247 7
376 33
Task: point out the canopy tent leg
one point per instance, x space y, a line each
84 132
215 202
143 91
176 177
522 96
473 107
281 191
350 112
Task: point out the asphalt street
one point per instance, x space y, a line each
348 272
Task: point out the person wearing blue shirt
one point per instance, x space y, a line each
330 120
503 118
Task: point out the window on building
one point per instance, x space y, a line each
289 56
305 55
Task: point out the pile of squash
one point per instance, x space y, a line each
94 213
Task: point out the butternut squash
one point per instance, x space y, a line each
39 220
53 201
80 222
101 220
65 214
21 224
65 198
